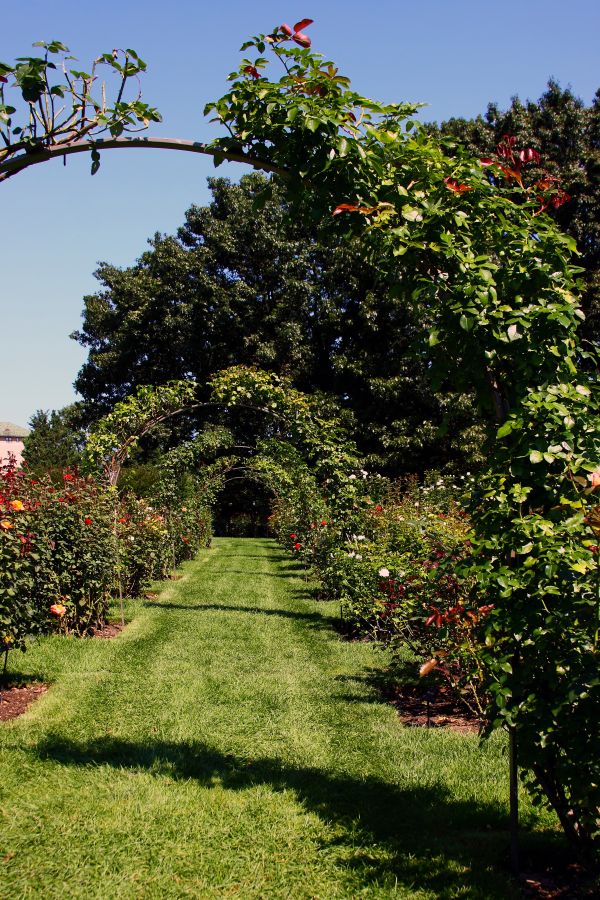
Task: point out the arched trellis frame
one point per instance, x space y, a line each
305 420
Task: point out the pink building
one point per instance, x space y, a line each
11 442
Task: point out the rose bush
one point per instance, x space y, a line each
57 555
392 560
65 547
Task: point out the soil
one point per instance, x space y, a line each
570 883
418 706
15 700
433 708
109 630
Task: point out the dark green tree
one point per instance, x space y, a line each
54 442
244 282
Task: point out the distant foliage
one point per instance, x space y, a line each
54 442
244 283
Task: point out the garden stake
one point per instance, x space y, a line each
514 801
597 634
118 556
121 601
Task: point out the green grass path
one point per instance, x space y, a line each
228 744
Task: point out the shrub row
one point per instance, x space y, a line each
65 548
394 564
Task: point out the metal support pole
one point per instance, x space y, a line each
514 801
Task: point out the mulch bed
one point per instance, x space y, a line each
418 706
110 630
570 883
430 708
15 700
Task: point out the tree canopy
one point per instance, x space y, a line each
54 442
244 282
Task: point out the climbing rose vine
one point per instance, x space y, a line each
467 242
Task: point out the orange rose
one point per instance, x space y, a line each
428 667
6 524
17 505
57 609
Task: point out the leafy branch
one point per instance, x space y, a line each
65 105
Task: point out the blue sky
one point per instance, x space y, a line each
58 222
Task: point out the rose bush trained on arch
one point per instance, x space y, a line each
468 243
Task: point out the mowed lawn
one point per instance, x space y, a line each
228 744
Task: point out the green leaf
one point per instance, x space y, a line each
95 160
505 429
411 214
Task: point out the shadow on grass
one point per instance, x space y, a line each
21 679
419 836
279 558
235 554
284 564
378 687
385 679
316 619
286 573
